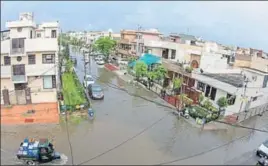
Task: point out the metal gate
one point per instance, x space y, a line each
21 96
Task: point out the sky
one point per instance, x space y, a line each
241 23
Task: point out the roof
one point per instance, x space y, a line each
184 36
232 79
149 59
256 70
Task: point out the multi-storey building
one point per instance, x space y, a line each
252 58
132 42
29 56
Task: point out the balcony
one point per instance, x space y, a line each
19 78
175 67
125 52
5 45
16 24
41 44
41 69
124 41
5 71
17 51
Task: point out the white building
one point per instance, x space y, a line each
29 58
232 86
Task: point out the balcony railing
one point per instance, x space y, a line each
17 51
175 67
19 78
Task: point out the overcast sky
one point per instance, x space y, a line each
239 23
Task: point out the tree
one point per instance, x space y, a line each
177 82
69 66
201 98
151 75
105 45
222 102
160 72
140 69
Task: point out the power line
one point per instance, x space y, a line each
207 151
122 143
107 151
68 136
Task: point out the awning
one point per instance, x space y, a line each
148 59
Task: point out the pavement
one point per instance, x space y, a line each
132 131
44 113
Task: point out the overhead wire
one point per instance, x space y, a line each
206 151
160 104
136 135
68 137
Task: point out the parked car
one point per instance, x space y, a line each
97 58
95 91
88 80
262 151
100 62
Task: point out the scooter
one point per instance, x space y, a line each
184 113
263 162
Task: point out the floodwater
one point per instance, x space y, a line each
120 116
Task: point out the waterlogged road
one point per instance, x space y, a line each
120 116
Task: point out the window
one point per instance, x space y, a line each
48 58
49 82
254 98
19 29
31 59
201 86
38 35
7 60
173 54
213 93
19 69
31 34
53 34
17 45
230 99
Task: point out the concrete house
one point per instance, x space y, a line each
29 58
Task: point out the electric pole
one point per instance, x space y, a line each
138 41
245 84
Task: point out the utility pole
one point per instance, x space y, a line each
245 84
138 41
85 64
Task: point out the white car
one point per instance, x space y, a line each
100 62
88 80
262 151
98 58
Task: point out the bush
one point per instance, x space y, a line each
222 102
188 69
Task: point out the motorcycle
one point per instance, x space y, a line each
184 113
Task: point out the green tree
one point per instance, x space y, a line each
105 45
207 104
151 75
160 72
177 83
69 66
140 69
222 102
201 98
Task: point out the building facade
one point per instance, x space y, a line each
29 62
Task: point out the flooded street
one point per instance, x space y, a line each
120 116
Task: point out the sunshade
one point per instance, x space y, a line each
148 59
